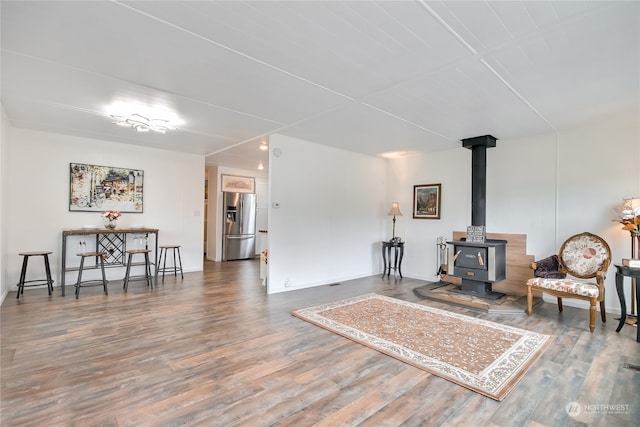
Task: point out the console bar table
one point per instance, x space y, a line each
112 242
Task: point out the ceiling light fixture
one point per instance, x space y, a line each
397 154
142 123
264 146
260 166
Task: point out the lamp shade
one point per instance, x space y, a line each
632 205
395 209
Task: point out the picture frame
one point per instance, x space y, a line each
426 201
237 184
95 188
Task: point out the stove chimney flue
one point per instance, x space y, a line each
478 146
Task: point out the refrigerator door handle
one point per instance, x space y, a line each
239 237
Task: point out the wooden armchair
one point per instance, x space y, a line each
582 256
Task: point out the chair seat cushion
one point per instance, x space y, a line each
570 286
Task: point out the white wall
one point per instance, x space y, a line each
520 196
37 206
451 169
546 186
522 190
331 214
4 131
333 203
212 208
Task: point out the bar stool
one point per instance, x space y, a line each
176 266
93 282
147 268
36 282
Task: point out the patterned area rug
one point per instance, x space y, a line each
483 356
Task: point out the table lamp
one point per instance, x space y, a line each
395 211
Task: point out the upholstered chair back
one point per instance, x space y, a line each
583 255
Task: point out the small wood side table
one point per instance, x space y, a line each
622 272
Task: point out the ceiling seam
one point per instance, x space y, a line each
279 129
108 76
235 51
447 26
516 93
320 114
405 120
560 24
99 113
502 79
273 67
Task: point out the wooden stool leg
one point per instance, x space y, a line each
592 314
126 275
175 264
159 265
603 313
180 259
23 275
147 269
47 268
164 266
79 277
104 276
529 300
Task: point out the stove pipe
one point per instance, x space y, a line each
478 146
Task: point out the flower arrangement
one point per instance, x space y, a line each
111 215
629 215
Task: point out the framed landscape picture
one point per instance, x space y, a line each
426 201
96 188
237 184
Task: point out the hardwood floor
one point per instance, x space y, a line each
215 350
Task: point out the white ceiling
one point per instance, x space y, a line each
371 77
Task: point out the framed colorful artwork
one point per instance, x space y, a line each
94 188
426 201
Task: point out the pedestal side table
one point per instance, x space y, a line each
623 271
398 253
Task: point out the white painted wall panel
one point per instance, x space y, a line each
4 182
37 197
547 186
330 218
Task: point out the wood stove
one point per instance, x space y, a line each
478 264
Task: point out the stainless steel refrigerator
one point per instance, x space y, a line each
239 241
